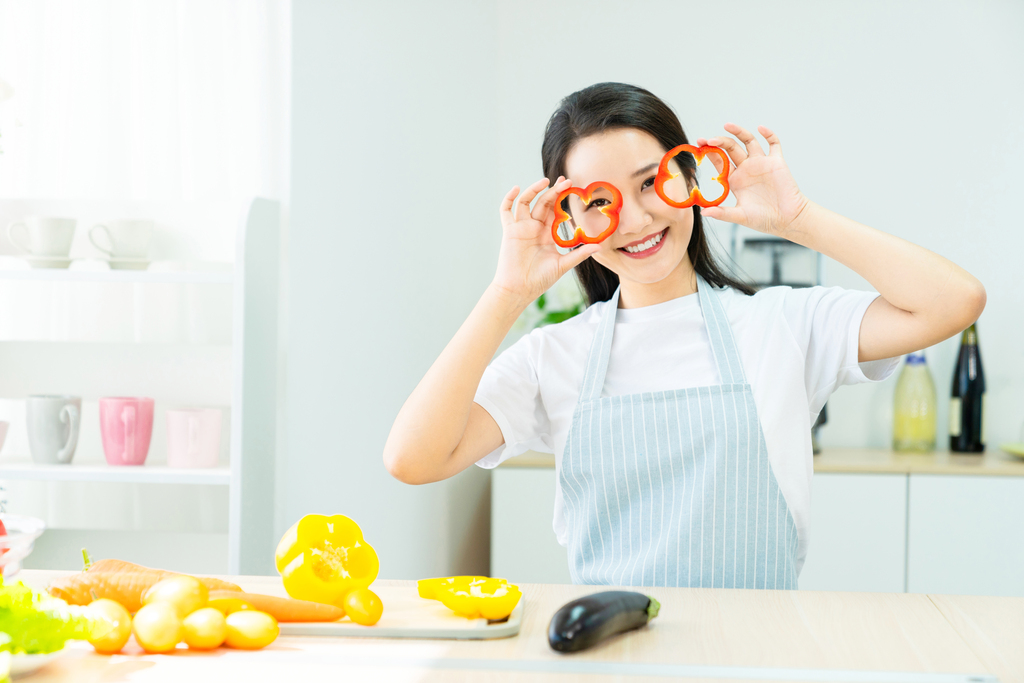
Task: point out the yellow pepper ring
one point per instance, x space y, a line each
322 558
473 597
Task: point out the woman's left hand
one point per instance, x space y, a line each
767 198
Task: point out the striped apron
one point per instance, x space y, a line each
674 488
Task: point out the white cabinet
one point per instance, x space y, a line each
523 545
858 535
966 535
955 528
858 530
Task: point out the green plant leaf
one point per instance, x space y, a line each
560 316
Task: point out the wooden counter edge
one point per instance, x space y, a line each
865 461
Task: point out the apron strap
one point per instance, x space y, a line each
723 345
600 349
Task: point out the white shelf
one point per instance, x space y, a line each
120 276
145 474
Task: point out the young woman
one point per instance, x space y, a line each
679 404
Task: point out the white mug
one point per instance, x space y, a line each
193 437
43 236
52 423
123 239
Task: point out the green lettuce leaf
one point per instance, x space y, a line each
35 623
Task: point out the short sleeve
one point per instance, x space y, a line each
826 324
510 392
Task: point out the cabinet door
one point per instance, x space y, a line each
966 535
858 533
523 545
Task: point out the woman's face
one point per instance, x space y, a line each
651 240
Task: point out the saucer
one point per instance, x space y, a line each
128 263
48 261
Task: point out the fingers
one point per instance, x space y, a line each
522 207
505 210
542 210
732 148
747 138
567 262
727 214
774 146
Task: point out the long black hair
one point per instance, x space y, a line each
607 106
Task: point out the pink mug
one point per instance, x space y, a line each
193 437
126 426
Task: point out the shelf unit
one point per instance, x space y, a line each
146 474
120 276
249 475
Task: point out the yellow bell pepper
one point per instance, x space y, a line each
473 597
322 558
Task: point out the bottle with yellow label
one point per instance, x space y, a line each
914 407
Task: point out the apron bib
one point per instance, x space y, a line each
674 488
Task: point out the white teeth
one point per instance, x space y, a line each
645 246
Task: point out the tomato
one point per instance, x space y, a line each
157 627
229 605
186 593
205 629
250 629
363 606
113 626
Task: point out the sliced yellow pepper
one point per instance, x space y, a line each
428 588
473 597
322 558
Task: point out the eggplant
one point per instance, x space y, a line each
587 621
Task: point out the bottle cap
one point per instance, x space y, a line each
915 358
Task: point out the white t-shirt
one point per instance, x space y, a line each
797 347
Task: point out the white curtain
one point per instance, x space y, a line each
149 100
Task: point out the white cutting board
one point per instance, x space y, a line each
407 615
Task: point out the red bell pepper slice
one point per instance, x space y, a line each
586 194
664 175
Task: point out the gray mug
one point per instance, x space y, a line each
52 423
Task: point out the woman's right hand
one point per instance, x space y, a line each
529 262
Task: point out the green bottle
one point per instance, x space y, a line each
967 402
914 407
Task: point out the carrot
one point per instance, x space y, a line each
285 609
120 581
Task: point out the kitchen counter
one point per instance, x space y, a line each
700 634
869 461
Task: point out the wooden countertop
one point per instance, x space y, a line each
700 634
869 461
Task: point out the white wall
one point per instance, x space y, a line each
392 240
906 117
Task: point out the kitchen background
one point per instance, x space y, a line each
391 130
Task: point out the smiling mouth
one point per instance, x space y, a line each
646 246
